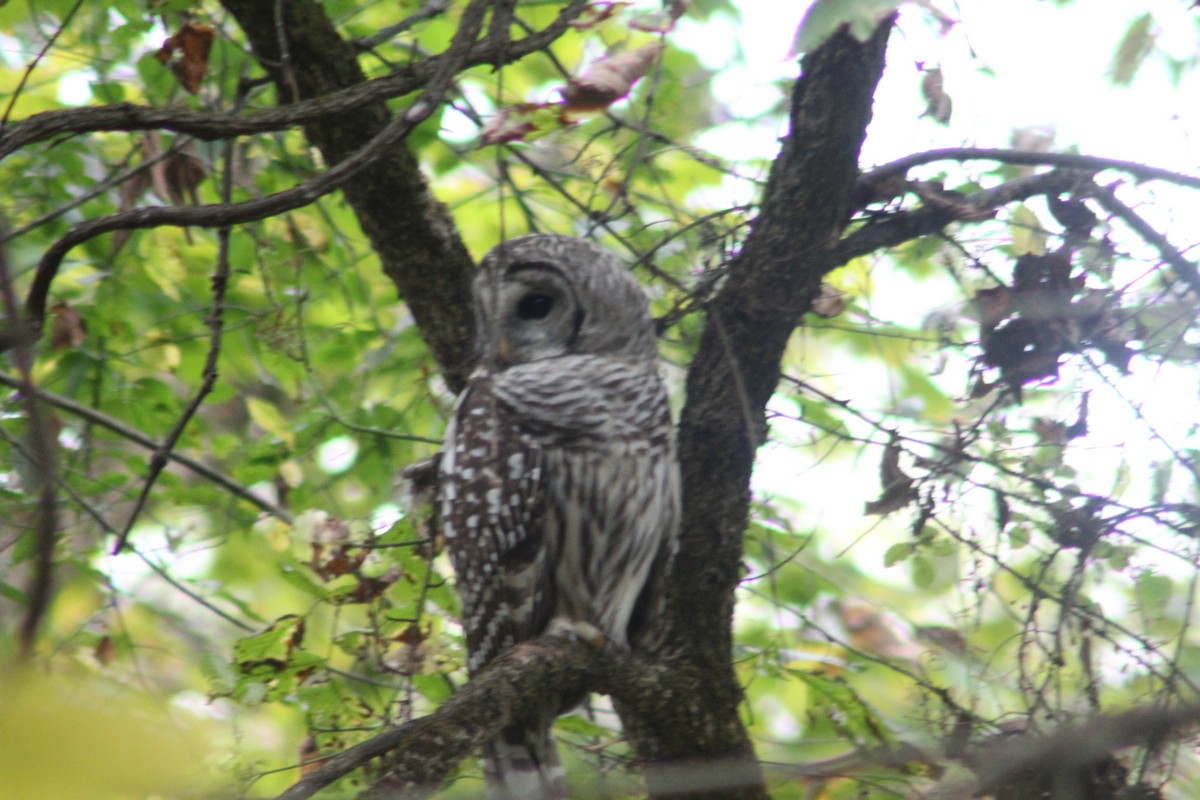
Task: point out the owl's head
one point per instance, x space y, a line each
545 296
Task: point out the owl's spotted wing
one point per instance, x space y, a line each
610 493
492 499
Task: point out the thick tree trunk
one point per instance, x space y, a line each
686 709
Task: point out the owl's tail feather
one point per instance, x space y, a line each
523 765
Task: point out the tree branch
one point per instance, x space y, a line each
213 125
1184 268
770 284
43 446
1091 164
418 755
137 437
929 218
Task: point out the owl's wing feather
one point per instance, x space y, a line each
493 497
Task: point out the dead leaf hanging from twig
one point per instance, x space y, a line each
607 81
898 488
186 53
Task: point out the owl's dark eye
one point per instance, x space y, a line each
534 306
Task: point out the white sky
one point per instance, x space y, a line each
1007 65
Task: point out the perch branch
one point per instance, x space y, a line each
419 754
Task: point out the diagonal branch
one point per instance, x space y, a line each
42 449
216 327
138 437
1183 268
418 755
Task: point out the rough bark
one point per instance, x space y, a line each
419 754
688 709
413 234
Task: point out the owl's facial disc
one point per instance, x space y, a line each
535 313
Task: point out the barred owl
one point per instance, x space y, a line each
558 482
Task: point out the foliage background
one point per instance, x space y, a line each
1036 564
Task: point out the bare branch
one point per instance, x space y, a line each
1074 161
1062 754
1184 268
430 10
930 218
212 125
42 452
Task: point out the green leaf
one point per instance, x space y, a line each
1027 231
1137 43
1153 591
897 553
924 573
824 17
270 419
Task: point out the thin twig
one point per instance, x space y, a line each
1184 268
427 11
42 458
216 325
1073 161
137 437
12 100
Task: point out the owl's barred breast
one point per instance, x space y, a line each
559 488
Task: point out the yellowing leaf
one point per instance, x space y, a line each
1028 235
268 417
1135 46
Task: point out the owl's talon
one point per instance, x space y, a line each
579 631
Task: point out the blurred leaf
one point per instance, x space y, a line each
824 17
62 738
1132 51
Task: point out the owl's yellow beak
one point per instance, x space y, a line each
504 349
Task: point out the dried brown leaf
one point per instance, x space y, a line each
186 53
68 328
937 102
182 172
829 302
609 80
898 489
